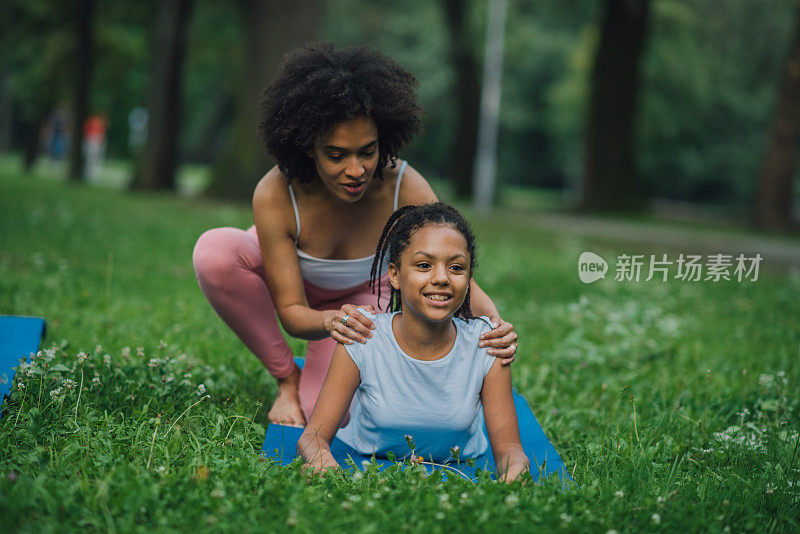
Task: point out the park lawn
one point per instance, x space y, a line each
674 404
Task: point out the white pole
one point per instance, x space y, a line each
486 154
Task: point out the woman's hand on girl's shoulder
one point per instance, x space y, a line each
347 325
501 341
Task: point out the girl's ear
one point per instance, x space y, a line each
393 276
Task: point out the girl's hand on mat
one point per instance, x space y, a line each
347 325
515 471
502 340
320 466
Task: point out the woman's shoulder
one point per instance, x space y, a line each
272 187
272 202
414 188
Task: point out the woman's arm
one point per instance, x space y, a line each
275 225
337 391
501 423
501 340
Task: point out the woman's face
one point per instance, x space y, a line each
346 158
434 273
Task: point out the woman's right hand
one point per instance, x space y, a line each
347 325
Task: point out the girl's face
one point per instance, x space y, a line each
346 158
434 273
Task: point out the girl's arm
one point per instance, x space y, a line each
337 391
501 423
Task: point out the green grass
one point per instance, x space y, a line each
673 404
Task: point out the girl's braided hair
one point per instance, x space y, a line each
396 237
319 87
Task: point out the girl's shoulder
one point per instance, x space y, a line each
473 327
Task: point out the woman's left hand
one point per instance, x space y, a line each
501 341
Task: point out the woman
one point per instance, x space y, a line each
335 122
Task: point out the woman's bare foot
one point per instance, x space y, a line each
286 408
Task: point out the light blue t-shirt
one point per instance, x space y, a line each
436 402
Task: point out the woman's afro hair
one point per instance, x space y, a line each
318 87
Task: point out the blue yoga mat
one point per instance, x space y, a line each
280 444
19 338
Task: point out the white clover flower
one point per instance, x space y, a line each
126 352
55 393
660 500
619 493
566 518
355 498
443 498
154 362
68 383
464 497
98 349
370 504
187 375
766 380
170 378
140 352
201 388
292 519
511 500
656 518
161 469
81 357
440 515
21 385
96 380
162 344
107 359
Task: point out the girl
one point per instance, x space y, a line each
422 378
335 121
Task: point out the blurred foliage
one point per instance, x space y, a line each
710 75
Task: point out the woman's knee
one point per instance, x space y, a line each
221 253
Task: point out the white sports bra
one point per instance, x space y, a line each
336 274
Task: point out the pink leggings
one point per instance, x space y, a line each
230 272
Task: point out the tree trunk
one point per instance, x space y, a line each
610 181
159 161
467 95
275 28
83 76
775 195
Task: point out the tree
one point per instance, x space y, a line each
610 181
160 158
274 29
467 96
775 194
82 81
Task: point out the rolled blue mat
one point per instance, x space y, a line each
19 338
280 444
